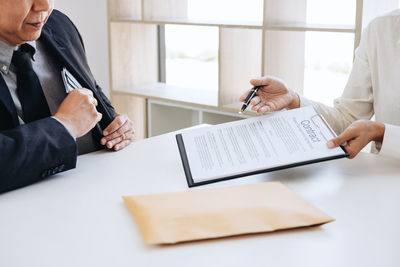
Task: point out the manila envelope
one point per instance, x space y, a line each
211 213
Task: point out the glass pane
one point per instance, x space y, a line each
226 10
331 12
328 62
192 56
218 11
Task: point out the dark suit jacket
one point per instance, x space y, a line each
33 151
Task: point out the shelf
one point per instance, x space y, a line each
233 24
246 25
227 110
276 43
204 12
162 91
311 27
162 118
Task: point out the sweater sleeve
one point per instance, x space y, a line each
356 101
391 141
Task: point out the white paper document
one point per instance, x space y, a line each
281 139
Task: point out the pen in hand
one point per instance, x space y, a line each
252 93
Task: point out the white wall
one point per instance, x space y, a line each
90 17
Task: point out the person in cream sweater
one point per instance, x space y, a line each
373 89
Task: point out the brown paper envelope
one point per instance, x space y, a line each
210 213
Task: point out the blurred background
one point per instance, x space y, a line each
184 62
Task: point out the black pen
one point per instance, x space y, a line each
252 93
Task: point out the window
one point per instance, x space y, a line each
328 55
331 12
192 57
318 64
234 11
328 62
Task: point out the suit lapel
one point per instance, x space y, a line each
69 58
66 56
8 103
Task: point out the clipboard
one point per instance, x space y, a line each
70 84
318 120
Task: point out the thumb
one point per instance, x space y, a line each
244 96
260 81
99 116
340 140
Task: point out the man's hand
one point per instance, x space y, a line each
358 135
119 133
272 96
78 112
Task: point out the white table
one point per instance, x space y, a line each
78 218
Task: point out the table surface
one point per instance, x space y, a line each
78 218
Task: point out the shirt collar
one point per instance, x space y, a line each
6 53
33 45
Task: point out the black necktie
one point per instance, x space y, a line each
29 90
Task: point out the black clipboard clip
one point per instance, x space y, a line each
319 118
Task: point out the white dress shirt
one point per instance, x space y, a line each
373 87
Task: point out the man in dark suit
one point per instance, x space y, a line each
42 128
